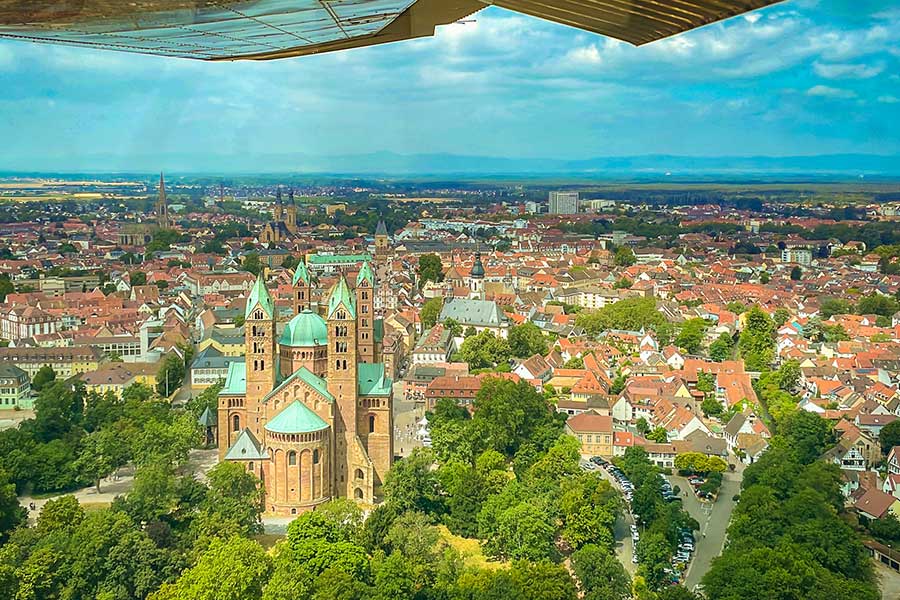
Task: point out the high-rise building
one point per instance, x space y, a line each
563 203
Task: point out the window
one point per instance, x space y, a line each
250 466
371 423
360 474
315 457
292 458
358 494
235 424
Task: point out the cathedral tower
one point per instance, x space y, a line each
342 379
259 336
278 213
291 213
382 243
302 285
365 306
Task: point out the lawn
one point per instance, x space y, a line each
470 550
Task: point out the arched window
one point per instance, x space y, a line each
371 423
315 457
293 511
250 466
360 474
292 458
358 494
235 424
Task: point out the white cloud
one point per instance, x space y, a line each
847 71
825 91
584 55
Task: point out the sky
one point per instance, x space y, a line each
803 77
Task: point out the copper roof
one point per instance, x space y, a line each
269 29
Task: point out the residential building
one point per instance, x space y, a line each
15 388
594 432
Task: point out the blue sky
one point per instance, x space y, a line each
802 77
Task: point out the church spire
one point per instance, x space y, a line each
162 207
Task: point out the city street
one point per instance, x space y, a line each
713 518
407 415
622 531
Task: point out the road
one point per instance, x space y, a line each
713 518
407 415
622 531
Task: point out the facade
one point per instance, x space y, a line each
309 412
66 362
563 203
15 388
20 322
594 433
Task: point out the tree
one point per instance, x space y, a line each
454 327
691 335
624 257
781 316
412 484
721 348
430 269
101 453
542 580
233 504
60 514
6 287
642 426
44 375
508 414
601 575
431 311
170 376
711 407
796 273
11 512
623 283
889 436
828 307
137 278
877 304
251 263
653 551
233 569
526 340
485 350
658 434
757 341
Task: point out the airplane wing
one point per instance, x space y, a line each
270 29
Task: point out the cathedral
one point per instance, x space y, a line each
309 411
284 220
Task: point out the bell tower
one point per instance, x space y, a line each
365 305
291 213
302 285
342 378
278 214
260 348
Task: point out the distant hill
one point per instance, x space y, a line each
388 163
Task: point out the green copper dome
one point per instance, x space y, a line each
305 330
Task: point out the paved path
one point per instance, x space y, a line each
199 462
888 582
407 415
713 518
